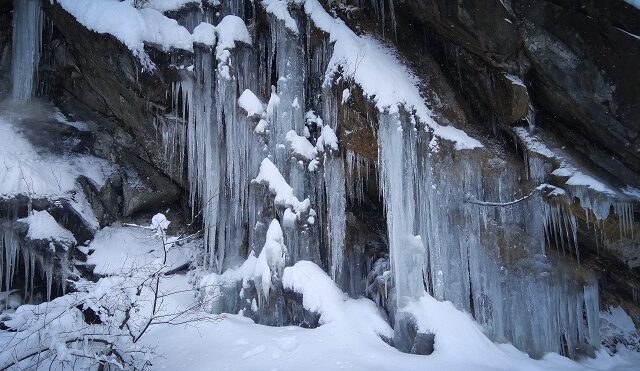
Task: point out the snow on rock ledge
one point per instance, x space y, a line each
136 27
321 295
373 66
133 27
43 227
250 103
270 176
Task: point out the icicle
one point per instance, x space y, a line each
27 35
336 205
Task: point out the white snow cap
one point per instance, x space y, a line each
160 222
328 139
279 9
301 145
249 102
42 226
230 30
205 34
132 26
270 176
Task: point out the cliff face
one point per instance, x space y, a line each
548 89
576 58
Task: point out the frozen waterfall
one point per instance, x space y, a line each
27 34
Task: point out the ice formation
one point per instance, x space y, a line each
273 185
27 34
249 164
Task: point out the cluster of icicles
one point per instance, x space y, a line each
37 270
491 262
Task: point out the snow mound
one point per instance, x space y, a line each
205 34
321 295
250 103
121 249
42 226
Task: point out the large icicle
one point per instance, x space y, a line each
27 35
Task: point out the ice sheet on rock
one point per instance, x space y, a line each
635 3
617 329
42 226
594 194
250 103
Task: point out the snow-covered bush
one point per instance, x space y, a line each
102 322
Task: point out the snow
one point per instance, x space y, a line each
328 139
204 34
516 80
230 30
270 176
250 103
349 337
42 226
301 145
279 9
30 171
272 258
376 69
171 5
121 249
132 26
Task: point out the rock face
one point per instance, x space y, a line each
576 57
103 74
568 69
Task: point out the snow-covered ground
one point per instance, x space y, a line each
347 339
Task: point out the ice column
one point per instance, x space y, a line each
27 35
